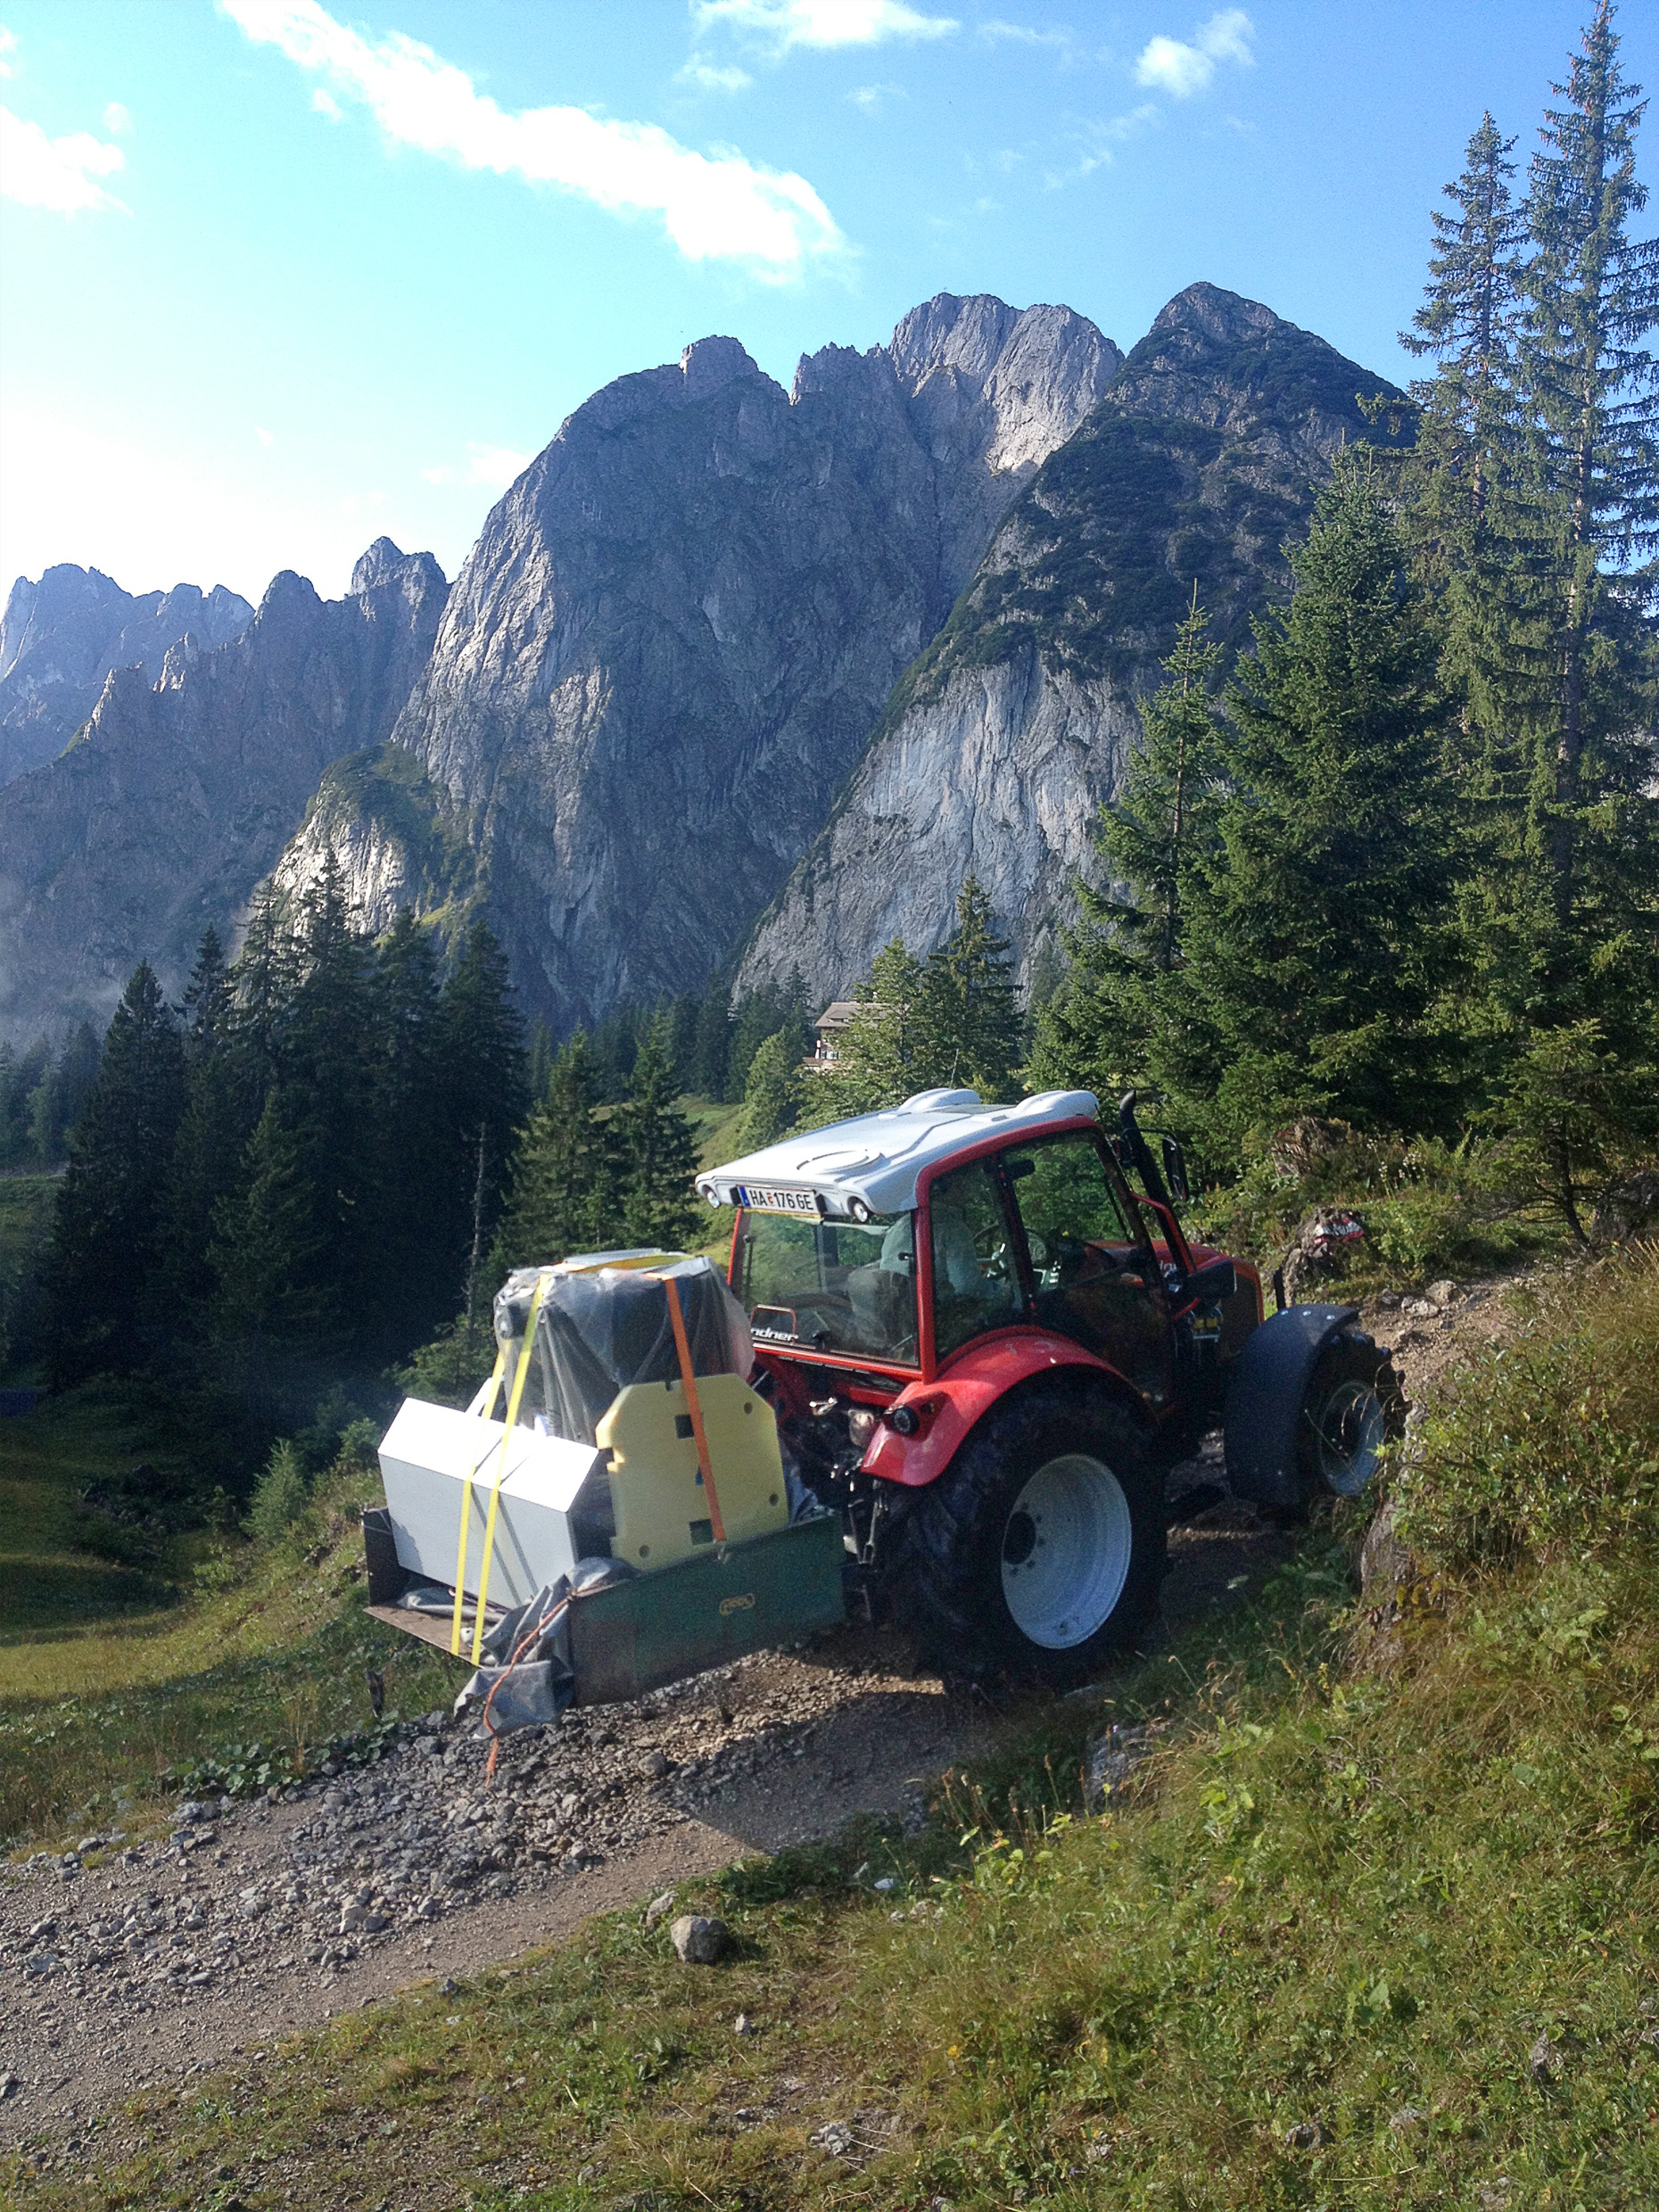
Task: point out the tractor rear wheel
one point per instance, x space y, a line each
1038 1553
1352 1405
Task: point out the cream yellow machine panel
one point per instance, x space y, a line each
661 1507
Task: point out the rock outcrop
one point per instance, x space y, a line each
60 638
676 632
1000 743
178 797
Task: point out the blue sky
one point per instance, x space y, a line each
280 274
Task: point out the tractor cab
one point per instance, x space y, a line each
905 1248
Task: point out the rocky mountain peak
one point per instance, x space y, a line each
707 363
59 638
178 797
949 332
1205 309
379 565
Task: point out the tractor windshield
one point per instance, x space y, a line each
830 1286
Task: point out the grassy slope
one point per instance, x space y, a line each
109 1675
1361 1933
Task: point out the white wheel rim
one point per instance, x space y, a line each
1350 1432
1067 1545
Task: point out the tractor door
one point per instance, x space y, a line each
1094 1274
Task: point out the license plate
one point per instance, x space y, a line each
772 1200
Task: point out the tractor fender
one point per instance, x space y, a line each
1266 1386
954 1403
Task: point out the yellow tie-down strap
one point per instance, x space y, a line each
514 1398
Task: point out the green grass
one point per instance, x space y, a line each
126 1651
26 1211
1376 1925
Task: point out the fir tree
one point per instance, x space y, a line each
268 1248
1592 389
1116 1010
562 1197
1462 487
655 1150
415 1255
1313 932
774 1097
878 1053
108 1233
713 1042
971 1014
485 1094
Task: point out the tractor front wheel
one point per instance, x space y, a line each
1038 1554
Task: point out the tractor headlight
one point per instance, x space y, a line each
859 1210
905 1421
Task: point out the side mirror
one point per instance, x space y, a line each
1175 1170
1210 1283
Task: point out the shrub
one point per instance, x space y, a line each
1550 1442
280 1495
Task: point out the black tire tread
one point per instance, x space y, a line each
939 1582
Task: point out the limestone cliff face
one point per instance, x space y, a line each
1001 741
60 638
179 796
677 629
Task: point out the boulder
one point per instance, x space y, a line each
699 1942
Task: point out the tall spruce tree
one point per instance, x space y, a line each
109 1229
1591 386
208 1153
774 1095
1314 934
654 1149
414 1258
486 1095
1118 1010
1464 485
880 1055
972 1011
562 1197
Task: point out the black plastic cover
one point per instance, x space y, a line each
600 1331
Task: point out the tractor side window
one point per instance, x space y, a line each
976 1282
1095 1276
1068 1207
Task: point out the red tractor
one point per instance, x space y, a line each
987 1340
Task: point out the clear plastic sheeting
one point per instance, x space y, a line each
604 1328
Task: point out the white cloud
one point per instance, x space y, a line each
1022 34
264 437
323 103
496 466
788 23
54 173
704 77
714 207
8 46
115 120
1181 70
872 98
493 466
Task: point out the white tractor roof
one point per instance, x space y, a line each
877 1158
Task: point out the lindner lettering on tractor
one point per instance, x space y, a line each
956 1351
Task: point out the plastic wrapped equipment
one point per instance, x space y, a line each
603 1328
